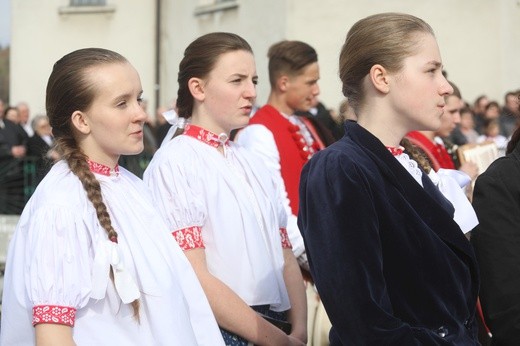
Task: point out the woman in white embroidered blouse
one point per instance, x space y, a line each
91 262
222 205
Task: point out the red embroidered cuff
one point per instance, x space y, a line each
54 314
189 238
286 243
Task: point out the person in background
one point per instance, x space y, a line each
479 108
328 128
467 125
39 146
12 114
284 140
390 263
491 133
25 123
496 200
492 112
223 205
91 262
510 114
13 150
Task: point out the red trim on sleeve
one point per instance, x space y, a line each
189 238
54 314
286 243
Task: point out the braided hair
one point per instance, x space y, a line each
70 89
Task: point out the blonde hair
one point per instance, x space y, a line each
385 39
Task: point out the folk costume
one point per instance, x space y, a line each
435 151
391 265
60 259
228 204
285 143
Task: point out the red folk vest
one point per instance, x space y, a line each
292 148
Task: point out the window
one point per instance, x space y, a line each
88 2
86 6
212 6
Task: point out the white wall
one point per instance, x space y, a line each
479 39
40 36
261 23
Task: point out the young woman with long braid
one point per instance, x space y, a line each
91 262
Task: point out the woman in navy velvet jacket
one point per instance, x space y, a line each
390 264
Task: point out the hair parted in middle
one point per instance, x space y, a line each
199 59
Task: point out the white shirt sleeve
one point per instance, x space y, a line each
260 140
176 194
58 258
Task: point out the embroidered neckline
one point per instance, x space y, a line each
102 169
396 151
206 136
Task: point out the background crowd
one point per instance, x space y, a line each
26 140
401 169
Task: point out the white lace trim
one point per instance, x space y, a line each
411 166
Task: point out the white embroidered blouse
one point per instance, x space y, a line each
58 269
230 205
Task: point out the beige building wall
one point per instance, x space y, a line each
479 39
44 31
261 23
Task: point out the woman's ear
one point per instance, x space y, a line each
380 78
196 87
80 123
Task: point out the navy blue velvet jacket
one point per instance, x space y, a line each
389 262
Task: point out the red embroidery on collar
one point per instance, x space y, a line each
396 151
206 136
102 169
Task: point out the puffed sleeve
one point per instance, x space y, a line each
176 191
496 199
58 261
339 222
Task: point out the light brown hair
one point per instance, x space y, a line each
385 39
70 89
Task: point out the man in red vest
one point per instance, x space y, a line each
286 141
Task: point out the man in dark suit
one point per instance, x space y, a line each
12 150
496 238
39 147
